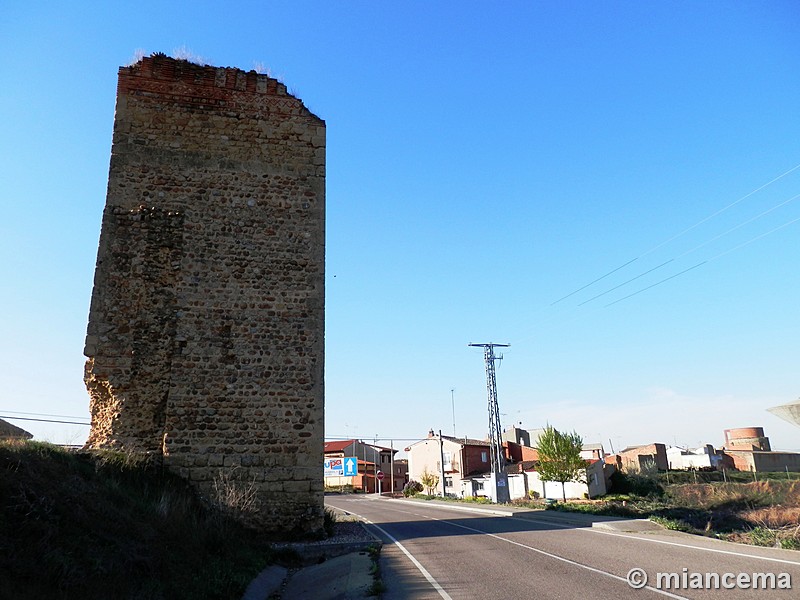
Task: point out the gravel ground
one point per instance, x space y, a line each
349 536
349 531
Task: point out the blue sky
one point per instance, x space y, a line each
484 161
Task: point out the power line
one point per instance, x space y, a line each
758 237
722 210
657 283
742 245
740 225
682 233
42 420
626 282
595 281
713 239
17 412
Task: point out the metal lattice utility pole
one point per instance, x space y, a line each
495 431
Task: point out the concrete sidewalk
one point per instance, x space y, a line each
338 568
347 577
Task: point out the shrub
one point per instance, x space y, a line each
412 488
638 485
763 536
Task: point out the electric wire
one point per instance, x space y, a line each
740 225
17 412
758 237
742 245
595 281
42 420
657 283
722 210
616 287
713 239
684 232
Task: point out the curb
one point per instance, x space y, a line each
488 511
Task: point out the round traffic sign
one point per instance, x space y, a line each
380 475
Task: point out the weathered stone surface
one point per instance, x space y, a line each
206 329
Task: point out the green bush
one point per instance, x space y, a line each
763 536
412 488
638 485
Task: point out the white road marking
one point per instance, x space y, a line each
566 560
701 548
410 556
635 537
561 558
654 541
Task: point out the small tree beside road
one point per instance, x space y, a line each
560 457
429 480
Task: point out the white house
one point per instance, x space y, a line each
463 457
704 457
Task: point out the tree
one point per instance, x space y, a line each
560 457
429 480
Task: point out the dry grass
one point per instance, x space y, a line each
112 525
775 517
764 513
233 495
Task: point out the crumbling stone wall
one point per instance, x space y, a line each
206 328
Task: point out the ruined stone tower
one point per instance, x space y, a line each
206 329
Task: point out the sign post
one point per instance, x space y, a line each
379 475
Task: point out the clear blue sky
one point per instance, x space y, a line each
484 160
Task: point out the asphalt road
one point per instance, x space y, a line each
434 553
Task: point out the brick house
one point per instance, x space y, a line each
371 459
635 459
764 461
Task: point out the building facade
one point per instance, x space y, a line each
463 458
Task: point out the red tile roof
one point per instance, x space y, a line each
338 446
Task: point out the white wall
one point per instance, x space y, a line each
678 460
573 489
427 455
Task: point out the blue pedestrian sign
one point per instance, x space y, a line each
350 466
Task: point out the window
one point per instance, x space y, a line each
479 484
448 482
483 459
448 464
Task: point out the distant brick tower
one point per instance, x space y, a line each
206 329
